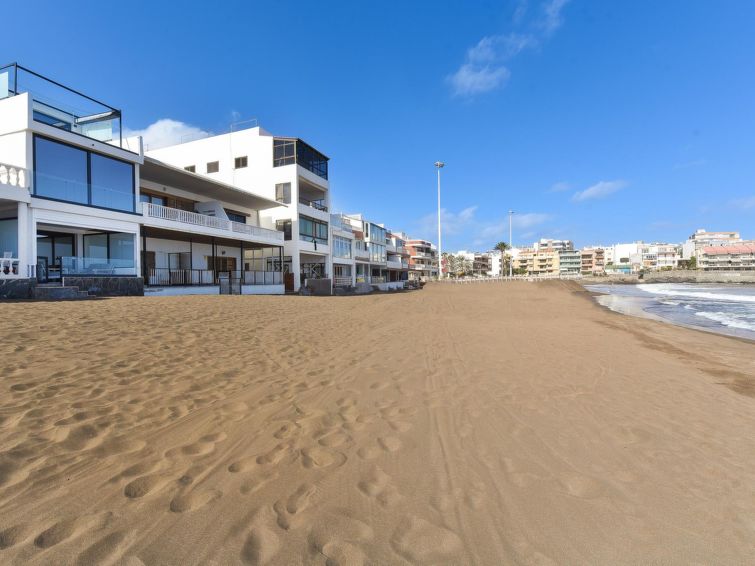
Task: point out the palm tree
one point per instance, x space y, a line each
502 247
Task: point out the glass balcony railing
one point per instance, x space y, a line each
62 107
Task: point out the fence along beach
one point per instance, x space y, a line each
464 424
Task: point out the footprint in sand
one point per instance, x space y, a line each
14 535
260 547
319 458
103 550
384 444
339 537
193 500
140 487
420 541
297 502
275 455
377 484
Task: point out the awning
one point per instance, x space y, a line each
162 173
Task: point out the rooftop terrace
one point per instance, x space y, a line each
62 107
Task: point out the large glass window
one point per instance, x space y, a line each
70 174
341 247
311 230
112 183
377 253
95 246
309 158
60 171
121 248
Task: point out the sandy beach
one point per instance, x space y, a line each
509 423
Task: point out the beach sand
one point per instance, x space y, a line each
471 424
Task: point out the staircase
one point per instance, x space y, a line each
57 292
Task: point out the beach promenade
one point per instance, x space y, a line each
513 423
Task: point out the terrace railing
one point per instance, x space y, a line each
14 176
316 204
166 277
194 218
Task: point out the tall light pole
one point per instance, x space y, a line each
439 165
511 245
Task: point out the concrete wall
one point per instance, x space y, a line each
108 286
677 276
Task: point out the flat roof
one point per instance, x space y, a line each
165 174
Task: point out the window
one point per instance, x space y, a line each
213 166
191 168
377 253
60 171
240 162
311 230
285 227
284 152
152 199
341 247
235 216
283 193
70 174
112 183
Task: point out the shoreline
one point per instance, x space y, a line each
636 307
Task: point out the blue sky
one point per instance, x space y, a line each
600 121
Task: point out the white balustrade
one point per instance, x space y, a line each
194 218
14 176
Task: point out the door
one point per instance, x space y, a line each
58 250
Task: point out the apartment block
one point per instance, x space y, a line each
732 257
593 261
285 170
569 262
702 239
423 259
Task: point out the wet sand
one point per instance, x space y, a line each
475 424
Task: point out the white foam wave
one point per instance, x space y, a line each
681 292
727 319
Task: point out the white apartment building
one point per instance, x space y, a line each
343 256
82 210
551 244
702 238
282 169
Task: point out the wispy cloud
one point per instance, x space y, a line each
465 227
485 64
744 203
166 132
600 189
552 19
560 187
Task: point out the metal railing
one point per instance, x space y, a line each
14 176
194 218
165 277
342 282
316 204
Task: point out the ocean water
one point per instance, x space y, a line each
725 309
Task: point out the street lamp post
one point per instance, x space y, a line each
511 244
439 165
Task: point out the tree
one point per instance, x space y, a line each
505 258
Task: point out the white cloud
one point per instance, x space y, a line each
166 132
599 190
560 187
464 228
472 79
552 19
484 68
452 223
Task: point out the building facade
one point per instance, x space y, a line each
282 169
733 257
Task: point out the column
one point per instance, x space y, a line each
25 239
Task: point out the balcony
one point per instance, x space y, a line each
185 221
62 107
396 264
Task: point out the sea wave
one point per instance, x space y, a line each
727 319
680 292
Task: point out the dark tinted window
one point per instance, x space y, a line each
213 167
112 183
60 171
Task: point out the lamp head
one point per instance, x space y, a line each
439 164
